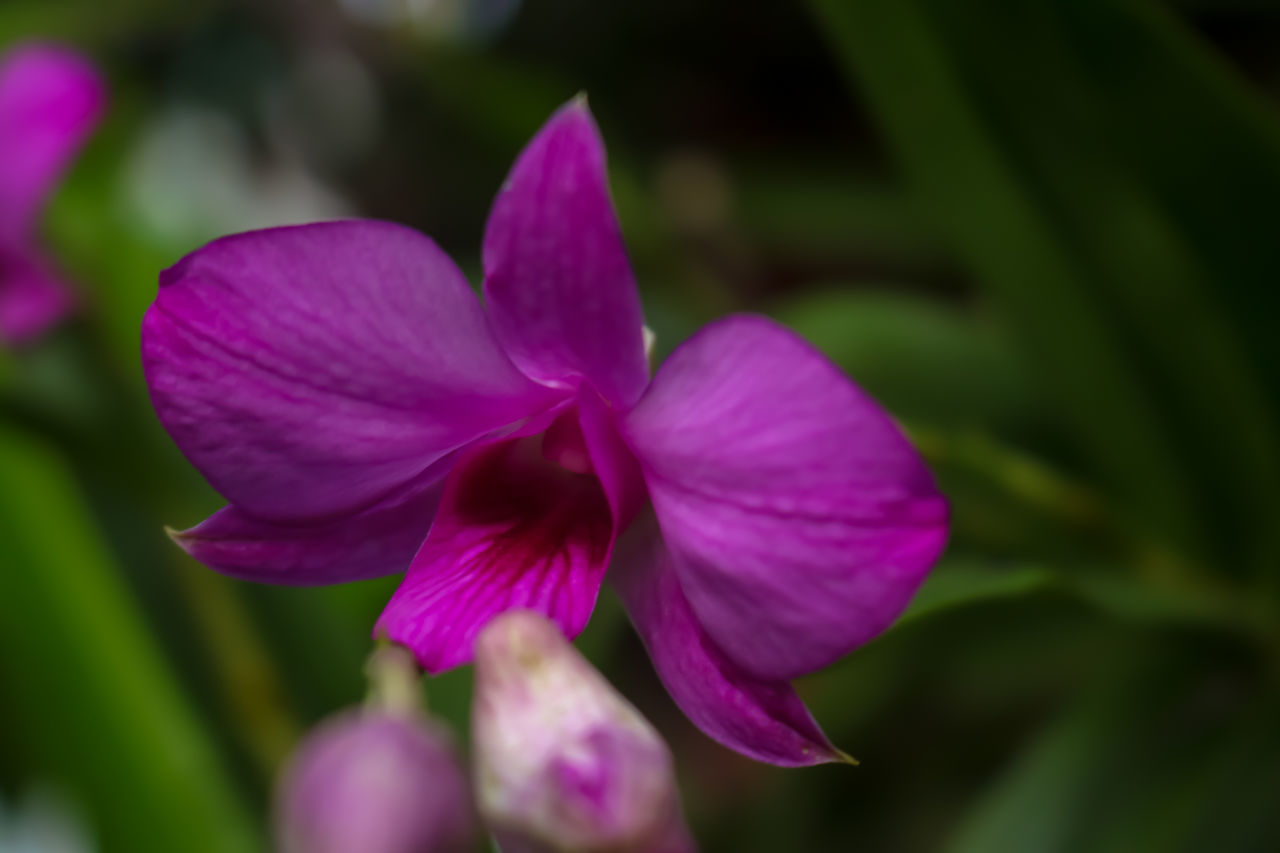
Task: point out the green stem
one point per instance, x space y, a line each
1029 482
247 676
395 681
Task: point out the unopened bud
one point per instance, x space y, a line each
562 762
375 781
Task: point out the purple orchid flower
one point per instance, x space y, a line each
50 99
343 388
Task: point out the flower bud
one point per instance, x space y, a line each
562 762
375 781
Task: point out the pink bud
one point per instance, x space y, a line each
376 782
562 762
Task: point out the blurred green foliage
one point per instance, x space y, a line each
1044 234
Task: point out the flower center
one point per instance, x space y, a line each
564 444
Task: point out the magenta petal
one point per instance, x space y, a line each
50 98
800 519
32 297
513 531
761 719
308 371
558 285
611 459
378 541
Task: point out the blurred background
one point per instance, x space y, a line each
1046 235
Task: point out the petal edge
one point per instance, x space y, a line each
378 541
761 719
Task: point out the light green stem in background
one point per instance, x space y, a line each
98 705
249 682
1159 582
1023 477
395 682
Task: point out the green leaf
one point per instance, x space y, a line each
1155 602
1110 186
924 360
1141 763
86 22
96 699
953 585
1008 504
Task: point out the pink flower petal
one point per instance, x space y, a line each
513 531
32 297
379 541
764 720
50 99
799 518
558 285
611 459
308 371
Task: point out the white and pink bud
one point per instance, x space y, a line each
562 761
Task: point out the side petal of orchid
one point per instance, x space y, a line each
308 371
32 297
378 541
50 98
800 519
764 720
558 284
513 531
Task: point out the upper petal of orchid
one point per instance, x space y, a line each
558 285
377 541
800 519
762 719
32 297
50 98
514 530
308 371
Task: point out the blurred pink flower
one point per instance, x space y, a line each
50 99
375 782
343 388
